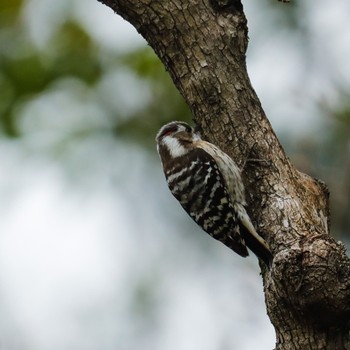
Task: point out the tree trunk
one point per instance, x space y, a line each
202 44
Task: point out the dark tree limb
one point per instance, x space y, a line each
202 44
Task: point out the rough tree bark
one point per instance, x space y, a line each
202 44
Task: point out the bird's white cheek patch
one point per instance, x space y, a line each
174 146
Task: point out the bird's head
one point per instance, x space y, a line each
177 138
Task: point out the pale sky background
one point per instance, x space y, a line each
104 258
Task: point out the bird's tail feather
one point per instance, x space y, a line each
258 246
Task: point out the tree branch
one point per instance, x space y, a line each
202 44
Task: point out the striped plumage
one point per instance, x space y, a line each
208 185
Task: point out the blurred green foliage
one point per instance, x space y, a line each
166 104
27 71
74 53
9 11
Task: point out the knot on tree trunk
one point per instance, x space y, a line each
309 293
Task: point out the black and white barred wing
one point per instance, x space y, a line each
200 188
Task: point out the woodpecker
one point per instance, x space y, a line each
208 185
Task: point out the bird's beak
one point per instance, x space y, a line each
197 129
